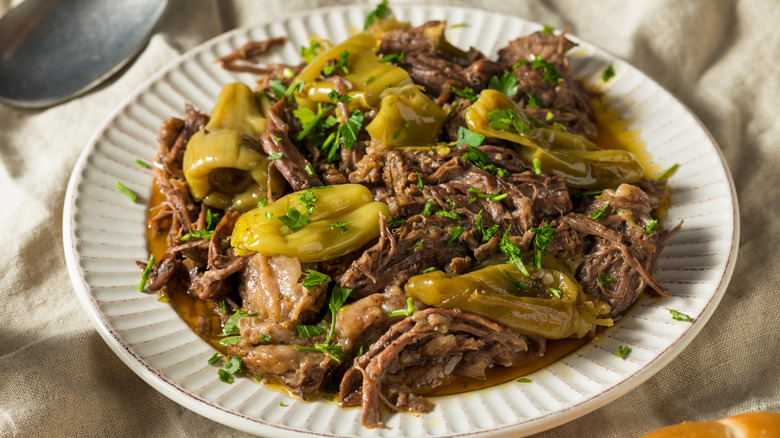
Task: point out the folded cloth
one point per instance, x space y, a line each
58 377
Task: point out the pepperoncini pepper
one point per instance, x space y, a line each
581 163
546 303
368 76
313 225
223 164
407 117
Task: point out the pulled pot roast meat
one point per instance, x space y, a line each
441 202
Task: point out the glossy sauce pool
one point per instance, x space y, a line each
613 133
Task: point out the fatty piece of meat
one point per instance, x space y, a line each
270 287
302 372
364 321
422 352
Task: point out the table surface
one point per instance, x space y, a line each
57 376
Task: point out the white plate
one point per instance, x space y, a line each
104 234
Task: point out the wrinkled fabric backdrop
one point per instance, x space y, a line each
721 58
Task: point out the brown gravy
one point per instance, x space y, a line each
613 133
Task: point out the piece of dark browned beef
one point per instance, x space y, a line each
562 97
619 263
295 168
436 65
423 351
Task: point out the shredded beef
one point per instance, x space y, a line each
422 352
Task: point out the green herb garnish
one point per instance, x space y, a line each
127 192
454 233
513 252
524 380
466 93
600 212
294 220
309 53
145 274
677 316
622 352
469 137
314 278
232 367
669 172
395 58
197 234
341 63
481 160
506 83
543 235
142 164
214 358
380 12
608 73
651 226
534 102
537 166
407 312
307 331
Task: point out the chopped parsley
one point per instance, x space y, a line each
396 222
277 88
232 367
534 102
669 172
288 73
515 282
487 233
395 58
493 197
294 220
609 73
547 29
456 25
677 316
427 210
454 233
197 234
142 164
308 200
266 338
275 156
431 269
268 215
381 11
651 226
537 166
449 214
336 98
314 278
328 398
337 298
524 380
481 160
419 180
466 93
296 87
469 137
262 203
600 212
214 358
369 80
309 169
212 219
543 235
507 119
231 325
556 292
549 116
314 124
537 62
512 251
505 83
341 63
340 224
418 244
230 340
351 128
125 191
309 53
307 331
622 352
145 274
559 126
406 312
604 280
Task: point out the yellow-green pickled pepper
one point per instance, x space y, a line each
313 225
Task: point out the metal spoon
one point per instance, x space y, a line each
54 50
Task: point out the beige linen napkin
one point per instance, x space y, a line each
58 378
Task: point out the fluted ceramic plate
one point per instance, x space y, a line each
104 234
